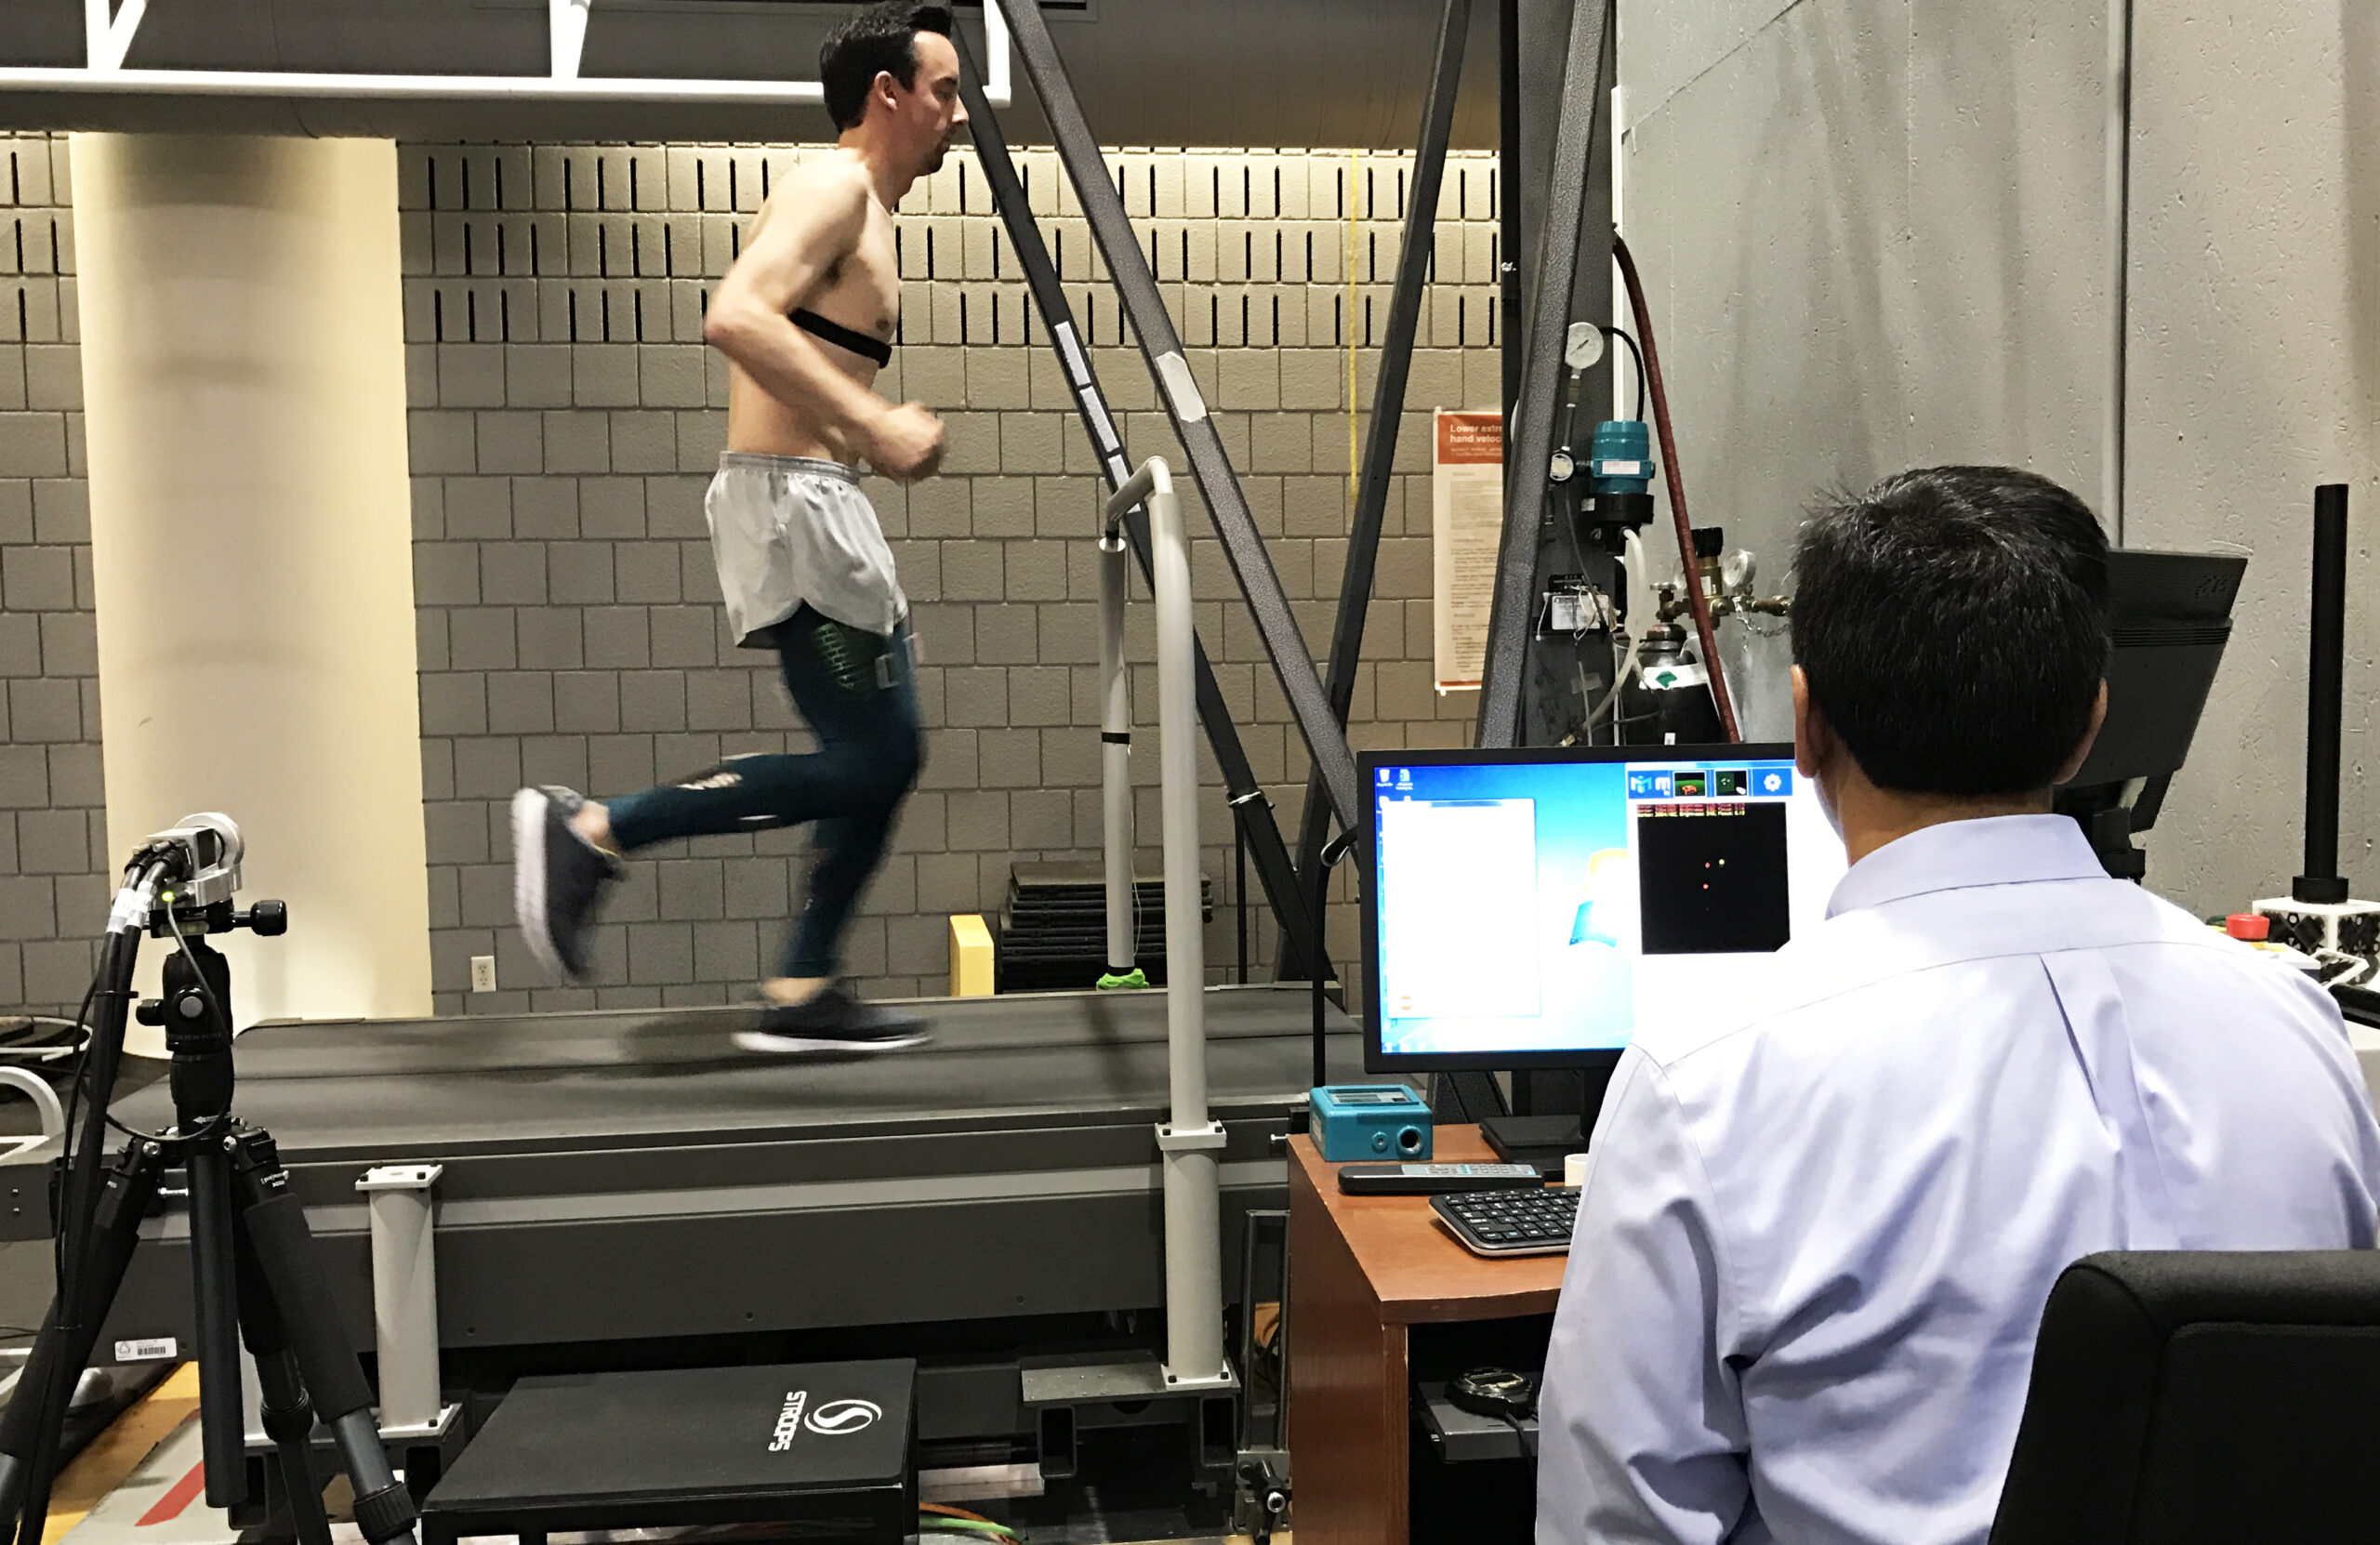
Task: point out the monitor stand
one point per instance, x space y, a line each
1541 1141
1545 1141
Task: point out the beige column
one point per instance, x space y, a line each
245 406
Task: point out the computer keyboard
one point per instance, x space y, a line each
1511 1223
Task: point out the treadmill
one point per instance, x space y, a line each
627 1188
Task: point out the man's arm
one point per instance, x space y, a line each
811 225
1641 1424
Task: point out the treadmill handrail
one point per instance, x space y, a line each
1190 1143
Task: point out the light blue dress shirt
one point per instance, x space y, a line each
1813 1243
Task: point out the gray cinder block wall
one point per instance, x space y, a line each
53 826
566 418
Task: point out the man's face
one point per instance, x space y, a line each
927 116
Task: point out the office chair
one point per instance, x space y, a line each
2185 1397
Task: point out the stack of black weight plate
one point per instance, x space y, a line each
1053 933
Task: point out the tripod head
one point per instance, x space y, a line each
195 870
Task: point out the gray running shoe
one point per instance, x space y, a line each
832 1023
559 879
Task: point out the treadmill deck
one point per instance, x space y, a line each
632 1174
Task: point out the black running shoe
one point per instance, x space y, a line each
834 1022
559 879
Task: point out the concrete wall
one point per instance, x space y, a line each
2256 374
1872 234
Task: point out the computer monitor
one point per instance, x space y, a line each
2171 619
1537 909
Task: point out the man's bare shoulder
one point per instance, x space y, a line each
829 189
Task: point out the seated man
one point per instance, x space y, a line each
1818 1231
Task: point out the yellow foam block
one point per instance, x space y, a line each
970 955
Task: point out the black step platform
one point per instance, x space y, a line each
1051 935
816 1443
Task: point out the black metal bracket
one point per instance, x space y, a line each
1388 406
1529 442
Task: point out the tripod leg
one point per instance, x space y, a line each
326 1359
288 1414
29 1428
214 1301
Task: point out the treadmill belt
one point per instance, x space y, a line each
675 1076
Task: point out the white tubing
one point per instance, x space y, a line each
1116 754
1186 962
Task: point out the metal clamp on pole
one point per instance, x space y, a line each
405 1300
1193 1277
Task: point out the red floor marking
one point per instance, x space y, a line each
183 1492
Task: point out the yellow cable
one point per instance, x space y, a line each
1354 164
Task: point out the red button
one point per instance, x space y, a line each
2254 927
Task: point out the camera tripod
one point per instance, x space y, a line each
252 1267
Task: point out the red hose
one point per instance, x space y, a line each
1694 595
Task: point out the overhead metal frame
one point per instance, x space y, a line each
108 39
1248 803
1388 405
1530 443
1226 505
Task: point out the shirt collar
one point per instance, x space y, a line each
1997 849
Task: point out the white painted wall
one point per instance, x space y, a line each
251 536
1872 234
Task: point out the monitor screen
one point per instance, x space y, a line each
1538 907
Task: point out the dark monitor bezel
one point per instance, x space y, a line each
2170 621
1376 1059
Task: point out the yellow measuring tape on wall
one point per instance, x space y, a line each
1355 165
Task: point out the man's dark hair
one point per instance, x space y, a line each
882 37
1952 623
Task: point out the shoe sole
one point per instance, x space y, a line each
529 809
797 1046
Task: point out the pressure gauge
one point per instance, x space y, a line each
1583 345
1560 468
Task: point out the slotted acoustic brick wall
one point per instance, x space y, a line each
565 418
53 828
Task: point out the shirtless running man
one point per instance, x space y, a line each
805 318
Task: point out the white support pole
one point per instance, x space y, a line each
1116 755
1191 1143
995 50
405 1294
243 390
566 23
107 40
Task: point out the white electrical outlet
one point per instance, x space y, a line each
483 973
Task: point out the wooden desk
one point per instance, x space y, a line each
1363 1269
